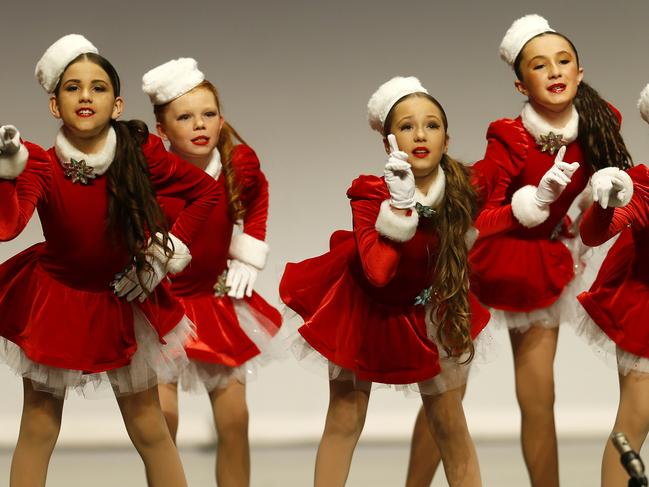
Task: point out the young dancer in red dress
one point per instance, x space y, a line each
64 325
522 265
390 302
233 323
617 308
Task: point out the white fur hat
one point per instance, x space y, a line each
51 65
171 80
643 103
387 95
521 31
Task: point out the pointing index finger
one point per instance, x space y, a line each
392 141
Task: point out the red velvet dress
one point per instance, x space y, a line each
62 325
229 332
617 303
515 268
358 300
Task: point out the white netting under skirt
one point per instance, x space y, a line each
199 376
153 361
565 310
453 373
607 350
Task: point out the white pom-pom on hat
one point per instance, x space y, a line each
53 62
387 95
171 80
520 32
643 104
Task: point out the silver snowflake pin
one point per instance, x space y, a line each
220 288
551 142
79 171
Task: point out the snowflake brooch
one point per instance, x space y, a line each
79 171
551 142
425 211
220 288
424 297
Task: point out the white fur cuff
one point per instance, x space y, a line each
248 249
11 166
525 209
396 227
180 258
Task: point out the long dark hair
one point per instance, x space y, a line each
450 309
599 128
133 211
227 138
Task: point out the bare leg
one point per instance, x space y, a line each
343 427
39 429
449 429
424 453
534 352
231 420
168 394
632 420
148 431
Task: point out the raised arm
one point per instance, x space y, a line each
25 175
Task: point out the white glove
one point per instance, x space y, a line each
241 279
9 140
13 154
611 187
399 177
127 283
555 180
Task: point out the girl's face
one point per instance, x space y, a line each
85 102
550 73
418 125
192 123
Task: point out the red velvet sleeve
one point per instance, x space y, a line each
493 175
379 255
599 224
254 191
173 177
19 197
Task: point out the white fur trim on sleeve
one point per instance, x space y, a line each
396 227
627 183
180 258
11 166
248 249
526 211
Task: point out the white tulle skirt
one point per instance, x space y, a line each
199 376
566 309
607 350
454 370
152 362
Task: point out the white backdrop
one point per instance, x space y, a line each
295 77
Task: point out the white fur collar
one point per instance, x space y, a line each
538 127
99 161
213 167
435 193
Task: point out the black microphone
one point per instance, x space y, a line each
630 459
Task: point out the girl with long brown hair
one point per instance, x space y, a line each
616 307
522 265
88 306
390 302
234 324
